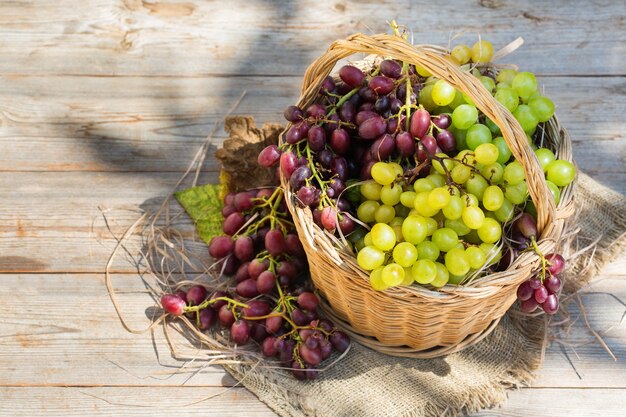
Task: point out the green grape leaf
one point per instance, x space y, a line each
204 205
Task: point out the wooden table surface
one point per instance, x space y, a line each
103 104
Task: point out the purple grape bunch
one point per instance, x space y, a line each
358 120
269 301
542 289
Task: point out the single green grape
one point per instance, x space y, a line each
542 107
464 116
459 136
476 257
504 153
476 185
516 194
431 226
508 98
525 84
457 261
482 51
384 214
427 250
493 198
442 276
370 189
490 231
461 54
414 229
397 168
514 173
454 209
458 226
370 258
438 198
382 173
545 156
390 194
446 162
493 173
405 254
392 274
445 239
506 76
505 212
408 277
383 236
407 199
367 239
554 189
437 179
376 279
426 99
473 217
424 271
423 184
561 172
460 173
443 93
477 134
486 153
526 118
367 211
488 83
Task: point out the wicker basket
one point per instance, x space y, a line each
414 320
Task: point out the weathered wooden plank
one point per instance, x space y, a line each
561 402
136 401
66 333
195 401
193 38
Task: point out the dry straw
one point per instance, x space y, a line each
416 321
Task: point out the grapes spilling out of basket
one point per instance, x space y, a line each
420 181
268 301
544 286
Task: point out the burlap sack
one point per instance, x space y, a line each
367 383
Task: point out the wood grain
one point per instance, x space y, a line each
194 38
104 103
130 401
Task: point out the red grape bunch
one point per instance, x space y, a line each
542 289
269 301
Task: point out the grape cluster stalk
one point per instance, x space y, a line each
269 302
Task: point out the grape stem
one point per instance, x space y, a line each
544 261
208 302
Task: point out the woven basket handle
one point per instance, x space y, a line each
433 61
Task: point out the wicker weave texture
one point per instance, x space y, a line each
415 320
